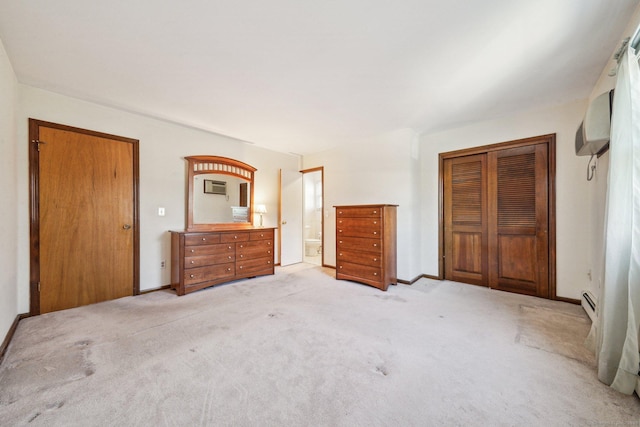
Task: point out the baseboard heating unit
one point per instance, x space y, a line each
589 304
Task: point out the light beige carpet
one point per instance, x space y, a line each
300 348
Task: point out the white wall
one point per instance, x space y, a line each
381 170
572 191
8 196
598 186
162 173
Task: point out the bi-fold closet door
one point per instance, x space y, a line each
496 216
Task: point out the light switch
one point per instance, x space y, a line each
160 211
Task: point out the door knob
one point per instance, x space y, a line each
284 222
126 226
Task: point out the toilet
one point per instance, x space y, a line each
312 247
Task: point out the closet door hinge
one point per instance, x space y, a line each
36 141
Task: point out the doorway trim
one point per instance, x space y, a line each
34 205
550 140
321 170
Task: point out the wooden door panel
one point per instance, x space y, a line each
465 220
517 258
468 256
518 235
86 242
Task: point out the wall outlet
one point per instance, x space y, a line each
163 264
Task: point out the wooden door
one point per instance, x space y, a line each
465 220
84 217
519 247
497 216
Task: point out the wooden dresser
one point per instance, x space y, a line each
206 258
366 244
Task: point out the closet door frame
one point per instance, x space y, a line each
550 141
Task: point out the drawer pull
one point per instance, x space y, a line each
268 262
341 254
375 245
269 243
229 256
375 222
235 237
193 250
261 235
229 269
341 267
375 274
268 252
193 262
340 212
242 246
375 212
241 256
229 247
192 276
375 232
240 267
204 239
340 241
339 231
375 259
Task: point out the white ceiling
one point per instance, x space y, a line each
307 75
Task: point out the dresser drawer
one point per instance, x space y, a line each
261 235
359 227
234 237
359 244
254 249
201 261
363 272
363 258
254 266
201 239
212 272
371 212
219 249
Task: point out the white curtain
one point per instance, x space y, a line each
619 317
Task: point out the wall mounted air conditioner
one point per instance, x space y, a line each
593 134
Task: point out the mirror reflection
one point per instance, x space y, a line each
220 198
219 193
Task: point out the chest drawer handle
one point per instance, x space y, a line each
268 252
229 256
261 235
229 247
375 274
241 256
229 269
375 222
340 267
204 239
340 241
240 267
340 254
268 262
375 212
340 212
339 231
268 243
235 237
242 246
375 245
193 251
375 232
193 262
192 276
375 259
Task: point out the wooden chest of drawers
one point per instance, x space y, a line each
366 244
206 258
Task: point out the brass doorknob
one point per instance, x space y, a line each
126 226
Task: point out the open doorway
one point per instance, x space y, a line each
313 201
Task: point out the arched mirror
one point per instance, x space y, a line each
220 193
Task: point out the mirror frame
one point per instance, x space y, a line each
198 165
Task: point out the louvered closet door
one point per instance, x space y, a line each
518 220
465 218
